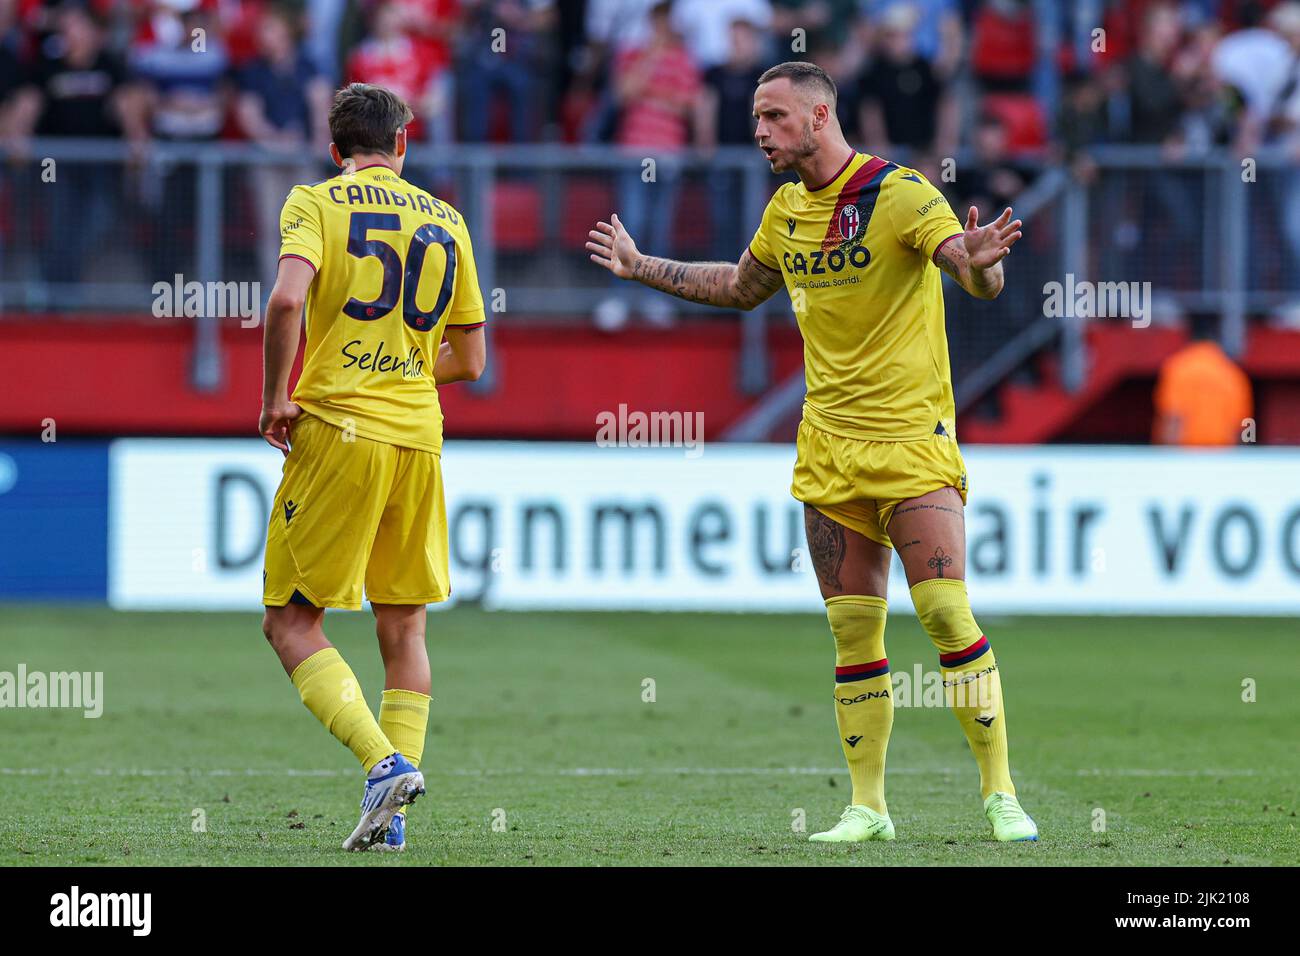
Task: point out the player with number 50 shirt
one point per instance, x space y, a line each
385 272
394 272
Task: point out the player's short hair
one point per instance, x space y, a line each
802 74
366 119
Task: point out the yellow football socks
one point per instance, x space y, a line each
971 684
330 690
864 704
404 719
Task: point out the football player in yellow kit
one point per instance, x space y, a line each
859 243
394 312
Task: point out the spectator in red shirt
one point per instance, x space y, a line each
394 58
657 86
658 89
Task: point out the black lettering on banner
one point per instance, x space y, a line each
479 559
628 516
559 539
1290 554
783 563
1170 552
1235 514
1084 515
227 482
710 524
988 551
1041 514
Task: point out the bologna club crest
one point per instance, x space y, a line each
849 221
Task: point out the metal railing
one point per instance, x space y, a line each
1211 233
85 226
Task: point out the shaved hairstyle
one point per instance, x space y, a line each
804 76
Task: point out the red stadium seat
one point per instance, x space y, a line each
516 217
587 200
692 220
1022 115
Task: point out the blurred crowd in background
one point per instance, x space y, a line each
1007 87
925 76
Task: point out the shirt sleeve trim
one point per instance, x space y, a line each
759 259
294 255
935 256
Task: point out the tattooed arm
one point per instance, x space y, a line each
728 285
974 257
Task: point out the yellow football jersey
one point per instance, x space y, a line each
394 267
857 258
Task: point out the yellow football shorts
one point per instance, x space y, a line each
351 510
859 483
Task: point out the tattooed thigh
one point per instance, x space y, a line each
930 534
845 562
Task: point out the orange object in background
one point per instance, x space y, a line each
1202 398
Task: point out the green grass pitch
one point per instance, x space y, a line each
542 751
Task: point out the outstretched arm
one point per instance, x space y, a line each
728 285
974 258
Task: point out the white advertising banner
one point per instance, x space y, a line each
533 525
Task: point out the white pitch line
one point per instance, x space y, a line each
1165 772
445 772
595 772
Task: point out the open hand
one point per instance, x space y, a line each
989 245
612 247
